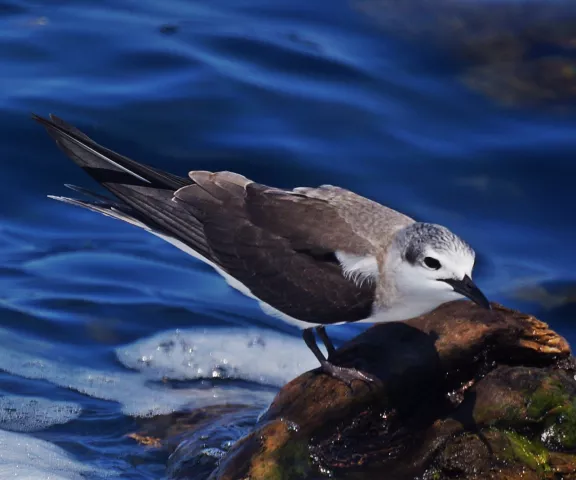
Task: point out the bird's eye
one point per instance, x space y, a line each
432 263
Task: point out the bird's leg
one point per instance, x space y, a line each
346 375
308 336
326 340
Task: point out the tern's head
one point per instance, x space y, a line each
433 266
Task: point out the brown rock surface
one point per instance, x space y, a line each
466 393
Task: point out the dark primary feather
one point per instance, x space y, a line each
148 201
279 244
88 155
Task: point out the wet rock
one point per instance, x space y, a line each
192 442
466 394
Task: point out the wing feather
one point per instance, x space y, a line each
305 252
280 264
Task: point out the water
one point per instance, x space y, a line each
102 324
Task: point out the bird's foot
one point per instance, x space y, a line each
348 375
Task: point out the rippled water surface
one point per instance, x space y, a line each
102 324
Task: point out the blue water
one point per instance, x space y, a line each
289 93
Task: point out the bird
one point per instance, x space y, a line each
313 256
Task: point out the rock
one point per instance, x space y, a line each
192 442
466 394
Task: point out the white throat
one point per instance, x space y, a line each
404 309
407 290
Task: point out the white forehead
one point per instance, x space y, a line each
421 240
459 261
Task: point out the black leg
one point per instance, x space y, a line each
326 340
346 375
308 336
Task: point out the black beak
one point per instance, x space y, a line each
469 289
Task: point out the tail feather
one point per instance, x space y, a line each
145 194
110 210
101 162
91 194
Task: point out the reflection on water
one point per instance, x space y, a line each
517 52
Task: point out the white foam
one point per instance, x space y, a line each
28 458
260 356
30 414
255 355
37 359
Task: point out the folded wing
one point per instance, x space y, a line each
284 248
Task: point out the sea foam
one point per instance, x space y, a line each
27 458
255 355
